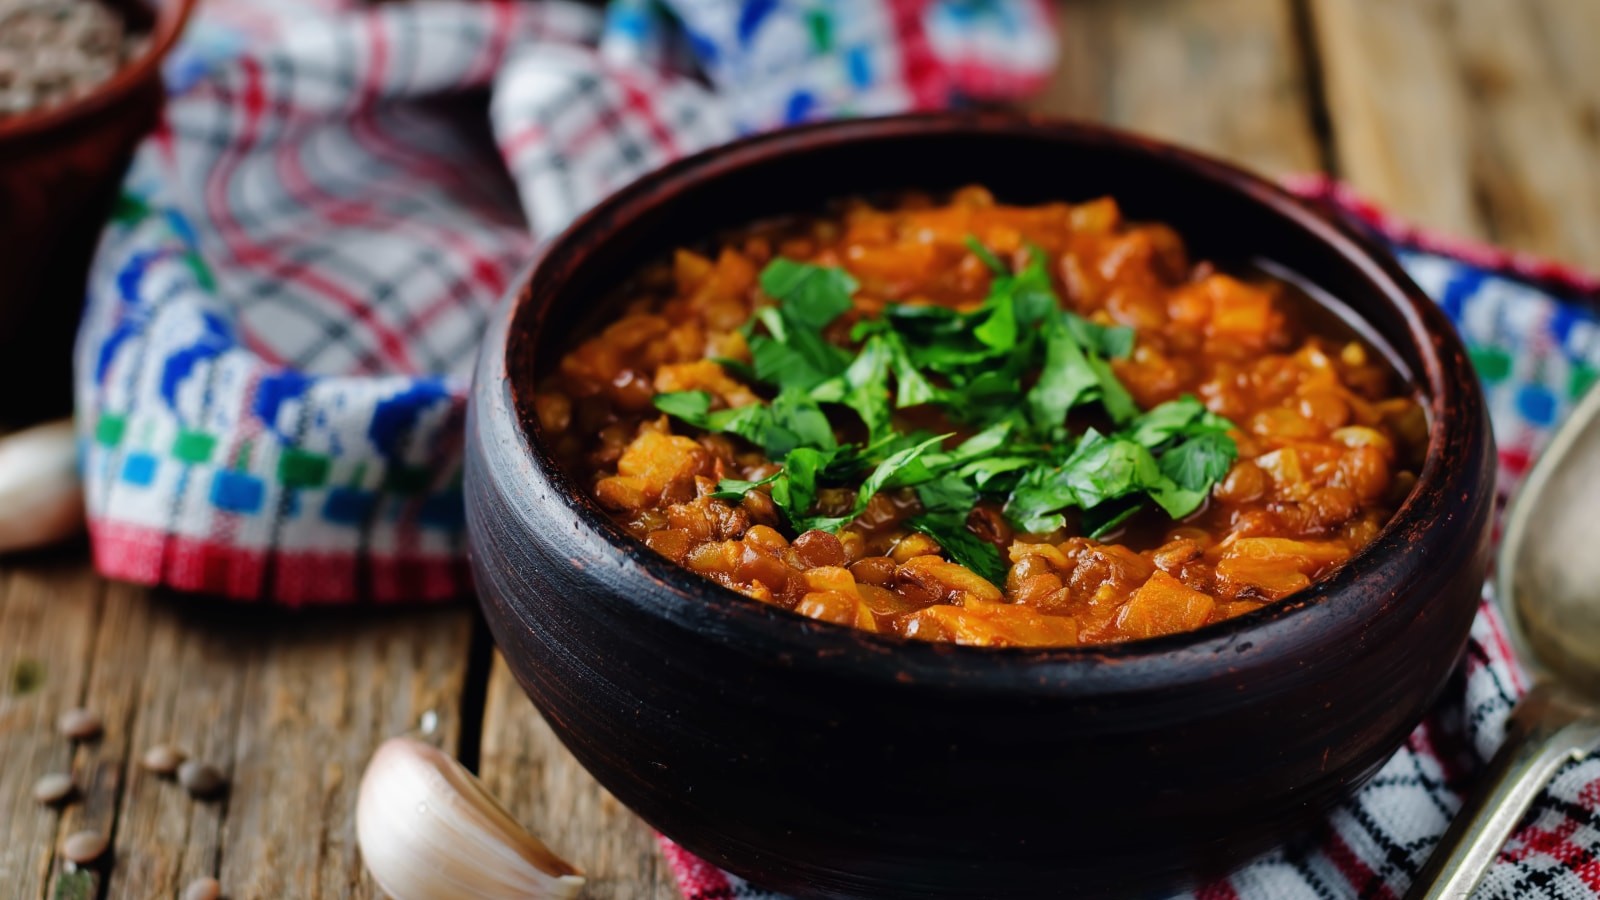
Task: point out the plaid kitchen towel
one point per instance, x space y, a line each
282 317
1533 331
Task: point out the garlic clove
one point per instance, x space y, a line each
428 830
41 495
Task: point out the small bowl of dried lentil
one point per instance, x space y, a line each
80 84
971 505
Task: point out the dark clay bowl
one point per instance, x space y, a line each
60 167
824 761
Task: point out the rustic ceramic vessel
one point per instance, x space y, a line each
825 761
60 167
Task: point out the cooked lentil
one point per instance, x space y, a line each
1326 439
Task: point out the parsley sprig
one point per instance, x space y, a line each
1011 371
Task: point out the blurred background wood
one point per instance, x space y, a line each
1478 117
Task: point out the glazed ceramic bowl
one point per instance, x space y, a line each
824 761
60 167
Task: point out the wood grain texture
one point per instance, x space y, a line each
1224 76
525 766
289 705
1478 117
317 699
49 611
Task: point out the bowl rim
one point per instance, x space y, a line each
170 19
1444 378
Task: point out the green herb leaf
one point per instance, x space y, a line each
1103 468
810 294
911 387
792 420
998 331
690 406
796 492
1033 294
987 256
964 547
794 355
1112 342
949 492
1201 461
882 476
864 387
1113 396
733 490
1065 381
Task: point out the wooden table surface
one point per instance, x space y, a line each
1479 117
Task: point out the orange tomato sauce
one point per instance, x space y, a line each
1328 440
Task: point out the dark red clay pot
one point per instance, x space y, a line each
60 168
824 761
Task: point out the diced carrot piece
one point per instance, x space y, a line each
1239 312
993 625
689 269
830 578
837 607
703 375
1163 605
943 578
655 460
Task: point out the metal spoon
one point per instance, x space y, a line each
1548 582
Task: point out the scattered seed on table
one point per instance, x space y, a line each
200 779
79 724
53 788
162 759
83 847
203 889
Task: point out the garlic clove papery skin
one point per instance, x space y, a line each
429 831
41 493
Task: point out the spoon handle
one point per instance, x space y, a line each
1545 731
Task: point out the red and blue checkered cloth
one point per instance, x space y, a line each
282 315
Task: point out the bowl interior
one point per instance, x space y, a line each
1223 214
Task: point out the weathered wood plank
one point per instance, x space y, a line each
116 666
1479 117
48 613
290 705
1225 76
189 697
524 765
320 693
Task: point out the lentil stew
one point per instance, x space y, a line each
997 425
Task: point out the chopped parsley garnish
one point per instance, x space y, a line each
1012 370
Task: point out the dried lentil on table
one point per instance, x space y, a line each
83 847
53 788
201 779
80 724
203 889
162 759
